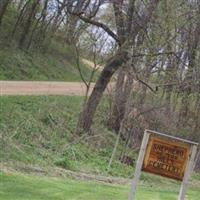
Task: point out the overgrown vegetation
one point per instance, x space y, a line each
40 131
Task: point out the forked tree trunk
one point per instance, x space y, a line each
86 117
134 25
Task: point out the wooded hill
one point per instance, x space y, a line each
42 53
152 48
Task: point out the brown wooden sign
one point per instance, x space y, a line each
166 157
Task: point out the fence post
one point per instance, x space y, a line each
188 172
139 165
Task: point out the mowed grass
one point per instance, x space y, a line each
26 187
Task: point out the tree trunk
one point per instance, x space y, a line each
117 111
123 89
20 17
28 23
71 29
20 4
86 117
3 7
41 21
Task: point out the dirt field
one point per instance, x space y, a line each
43 88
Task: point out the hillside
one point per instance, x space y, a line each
40 131
39 148
52 59
57 64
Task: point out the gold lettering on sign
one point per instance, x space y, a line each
166 157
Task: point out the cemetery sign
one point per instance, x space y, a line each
166 156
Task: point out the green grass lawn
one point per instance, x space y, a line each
26 187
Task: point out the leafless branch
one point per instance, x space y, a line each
99 24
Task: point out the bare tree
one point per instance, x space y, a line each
135 24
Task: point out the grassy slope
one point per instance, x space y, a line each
23 187
39 131
53 61
56 64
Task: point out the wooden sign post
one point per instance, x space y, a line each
166 156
